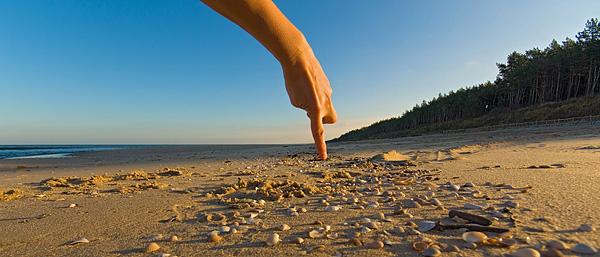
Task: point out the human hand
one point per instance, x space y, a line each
309 89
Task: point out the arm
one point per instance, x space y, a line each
305 81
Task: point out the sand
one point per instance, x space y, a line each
123 200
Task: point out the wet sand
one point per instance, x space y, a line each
122 200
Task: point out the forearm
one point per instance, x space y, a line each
263 20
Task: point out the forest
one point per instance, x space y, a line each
565 72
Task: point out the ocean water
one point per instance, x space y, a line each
57 151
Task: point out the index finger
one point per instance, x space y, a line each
318 131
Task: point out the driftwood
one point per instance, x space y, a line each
471 217
439 226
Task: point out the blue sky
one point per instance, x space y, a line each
176 72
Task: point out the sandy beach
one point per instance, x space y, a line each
540 184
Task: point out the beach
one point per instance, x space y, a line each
539 183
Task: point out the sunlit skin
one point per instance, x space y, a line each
305 81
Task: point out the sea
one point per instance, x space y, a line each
58 151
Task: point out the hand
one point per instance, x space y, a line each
309 89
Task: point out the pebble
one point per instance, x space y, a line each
526 252
584 249
151 247
454 187
379 216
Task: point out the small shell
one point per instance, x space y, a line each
213 238
224 229
511 204
333 236
506 242
379 216
435 202
313 248
469 245
471 206
273 239
432 252
297 240
526 252
473 237
584 249
420 246
376 244
426 226
151 247
79 241
586 228
315 234
173 239
302 210
72 205
451 248
355 241
283 227
411 224
491 241
373 205
333 208
372 225
557 244
453 187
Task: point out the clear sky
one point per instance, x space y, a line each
175 72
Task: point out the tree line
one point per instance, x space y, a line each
561 72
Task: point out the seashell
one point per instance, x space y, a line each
410 224
240 228
72 205
432 252
398 210
224 229
398 230
473 237
173 239
471 206
469 245
460 220
213 238
355 241
313 248
586 228
283 227
413 232
365 230
333 208
151 247
426 226
297 240
164 255
468 184
155 237
508 187
511 204
261 202
526 252
490 241
552 253
332 236
372 225
379 216
387 242
453 187
364 220
315 234
406 215
373 205
376 244
430 194
506 196
451 249
252 221
294 213
420 246
557 244
584 249
318 223
435 202
79 241
273 239
302 210
506 242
